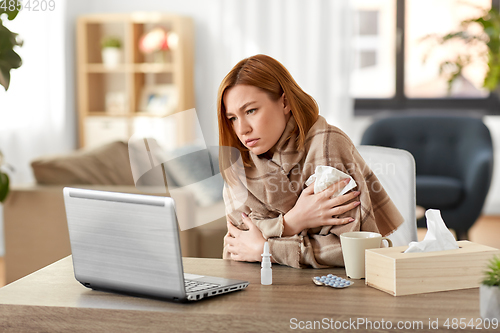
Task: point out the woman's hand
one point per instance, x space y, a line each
316 210
244 245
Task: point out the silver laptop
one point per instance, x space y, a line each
129 243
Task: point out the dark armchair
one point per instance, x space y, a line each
454 162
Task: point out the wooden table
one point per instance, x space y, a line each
51 300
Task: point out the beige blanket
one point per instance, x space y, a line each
274 186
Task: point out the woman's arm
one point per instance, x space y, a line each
246 245
318 250
243 245
320 209
310 211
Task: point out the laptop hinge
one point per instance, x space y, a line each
86 284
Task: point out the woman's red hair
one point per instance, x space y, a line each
270 75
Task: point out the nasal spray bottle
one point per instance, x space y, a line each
266 274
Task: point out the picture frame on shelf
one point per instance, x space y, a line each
159 99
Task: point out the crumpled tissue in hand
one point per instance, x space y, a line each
438 237
326 176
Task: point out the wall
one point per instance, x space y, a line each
73 10
209 72
227 31
492 206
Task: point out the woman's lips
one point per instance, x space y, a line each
252 143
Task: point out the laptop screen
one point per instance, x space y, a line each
126 242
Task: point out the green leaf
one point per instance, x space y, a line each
4 77
488 38
4 186
492 275
9 59
11 14
8 38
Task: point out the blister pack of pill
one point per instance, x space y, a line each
331 280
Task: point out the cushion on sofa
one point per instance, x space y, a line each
196 168
146 161
192 167
106 165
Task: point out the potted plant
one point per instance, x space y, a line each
475 45
489 291
111 51
9 59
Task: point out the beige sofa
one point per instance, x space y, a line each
36 232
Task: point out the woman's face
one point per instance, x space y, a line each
257 120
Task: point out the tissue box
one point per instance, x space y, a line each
398 273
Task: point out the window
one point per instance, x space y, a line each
389 72
374 44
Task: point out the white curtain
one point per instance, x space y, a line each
33 119
310 38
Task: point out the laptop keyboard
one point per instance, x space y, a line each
194 286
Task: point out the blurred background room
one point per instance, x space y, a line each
96 74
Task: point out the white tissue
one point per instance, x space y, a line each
326 176
438 237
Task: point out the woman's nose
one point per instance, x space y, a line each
244 127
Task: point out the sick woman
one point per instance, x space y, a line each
269 124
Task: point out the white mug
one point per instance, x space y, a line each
354 245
